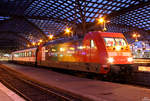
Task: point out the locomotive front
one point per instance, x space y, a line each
119 56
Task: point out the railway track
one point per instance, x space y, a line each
31 91
57 95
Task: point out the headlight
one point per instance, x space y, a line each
118 48
110 60
130 59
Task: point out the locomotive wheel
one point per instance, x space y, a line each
111 76
125 74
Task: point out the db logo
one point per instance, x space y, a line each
146 99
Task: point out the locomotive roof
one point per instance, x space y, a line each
75 38
63 40
107 34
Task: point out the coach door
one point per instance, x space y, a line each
39 55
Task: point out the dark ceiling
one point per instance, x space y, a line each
26 21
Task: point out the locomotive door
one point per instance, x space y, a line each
87 57
93 51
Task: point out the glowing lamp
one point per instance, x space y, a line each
40 40
33 43
110 60
28 45
130 59
71 48
62 49
134 35
38 43
51 37
118 48
101 20
67 30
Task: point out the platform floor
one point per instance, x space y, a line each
92 89
8 95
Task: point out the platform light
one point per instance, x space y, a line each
33 43
68 30
40 40
51 36
28 45
39 43
101 20
136 36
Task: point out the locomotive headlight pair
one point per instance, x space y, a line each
110 60
130 59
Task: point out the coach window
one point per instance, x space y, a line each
30 53
27 54
20 54
92 44
23 54
16 55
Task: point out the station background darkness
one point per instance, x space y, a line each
26 21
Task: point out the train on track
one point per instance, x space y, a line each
98 52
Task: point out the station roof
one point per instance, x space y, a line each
26 21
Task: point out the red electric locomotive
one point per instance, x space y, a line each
98 52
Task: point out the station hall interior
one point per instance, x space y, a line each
95 37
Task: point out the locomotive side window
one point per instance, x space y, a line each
92 44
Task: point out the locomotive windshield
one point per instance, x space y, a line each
115 42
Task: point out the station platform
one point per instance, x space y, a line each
94 90
8 95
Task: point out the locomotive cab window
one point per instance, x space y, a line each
109 42
115 42
120 42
